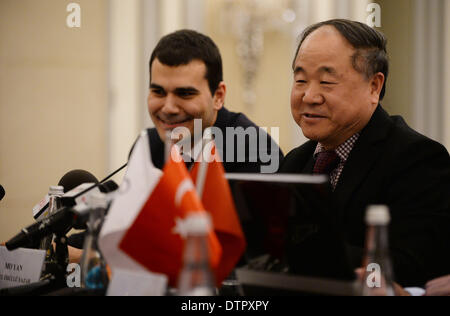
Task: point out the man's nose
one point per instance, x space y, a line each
312 95
170 105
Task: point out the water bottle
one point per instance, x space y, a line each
196 277
378 278
54 204
94 274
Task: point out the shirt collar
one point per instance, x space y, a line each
343 150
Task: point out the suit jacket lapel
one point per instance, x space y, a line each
305 161
362 157
309 166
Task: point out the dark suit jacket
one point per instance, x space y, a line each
253 160
392 164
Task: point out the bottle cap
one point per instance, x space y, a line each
377 215
56 190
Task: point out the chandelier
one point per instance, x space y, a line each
248 21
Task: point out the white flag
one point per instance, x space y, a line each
140 179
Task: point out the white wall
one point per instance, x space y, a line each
125 78
53 100
430 91
447 76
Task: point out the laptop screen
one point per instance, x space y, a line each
290 226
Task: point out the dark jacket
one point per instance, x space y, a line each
394 165
225 119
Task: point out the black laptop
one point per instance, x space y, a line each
291 230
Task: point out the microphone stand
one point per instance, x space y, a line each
57 278
62 258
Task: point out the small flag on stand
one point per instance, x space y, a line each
209 176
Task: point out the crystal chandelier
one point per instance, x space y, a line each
248 21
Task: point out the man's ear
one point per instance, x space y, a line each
376 85
219 96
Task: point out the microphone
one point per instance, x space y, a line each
60 222
109 186
108 177
74 178
69 181
2 192
81 193
77 240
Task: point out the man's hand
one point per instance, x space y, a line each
75 255
438 287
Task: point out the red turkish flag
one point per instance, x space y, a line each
218 201
155 238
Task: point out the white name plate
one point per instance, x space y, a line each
20 267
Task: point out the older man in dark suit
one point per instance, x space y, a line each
340 71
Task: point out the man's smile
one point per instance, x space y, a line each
173 123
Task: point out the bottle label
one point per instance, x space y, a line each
40 208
